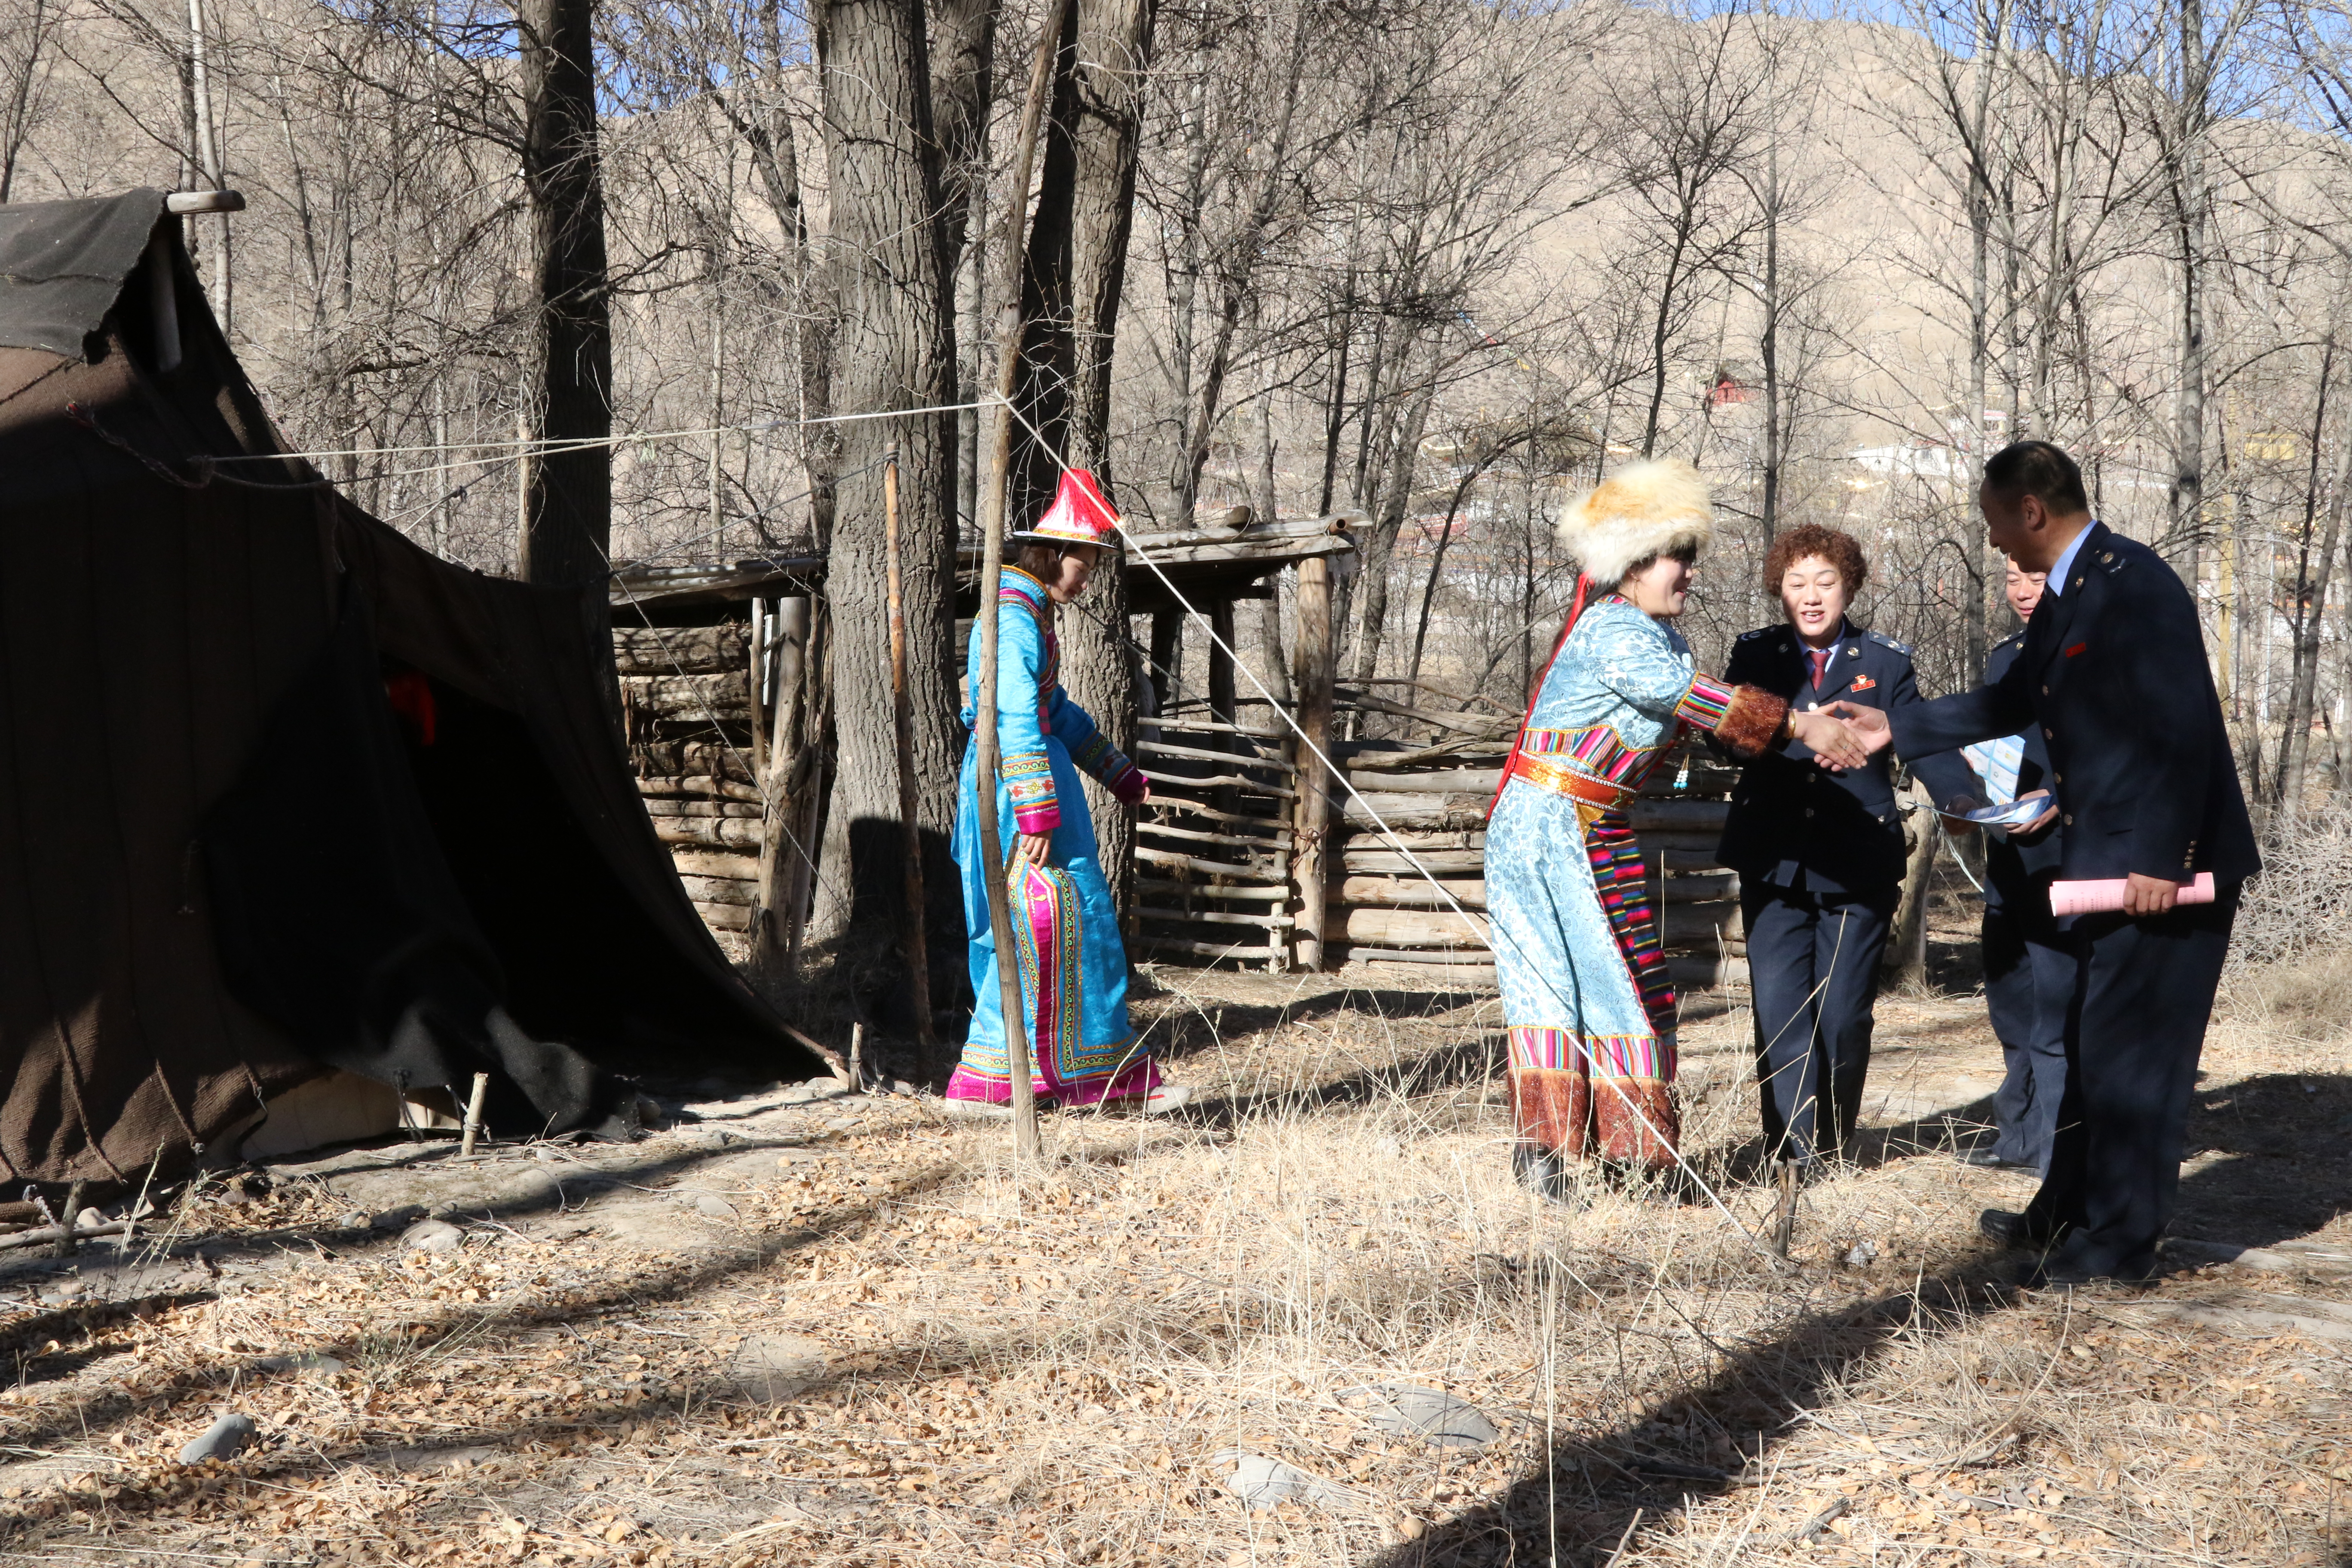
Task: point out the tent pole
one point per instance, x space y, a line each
1025 1144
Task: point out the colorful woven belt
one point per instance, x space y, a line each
1560 779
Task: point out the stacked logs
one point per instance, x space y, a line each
685 705
1383 912
1213 858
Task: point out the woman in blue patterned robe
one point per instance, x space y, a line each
1585 993
1073 966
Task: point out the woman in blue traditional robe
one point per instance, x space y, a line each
1072 963
1591 1011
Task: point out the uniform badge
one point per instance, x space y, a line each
2077 648
1863 683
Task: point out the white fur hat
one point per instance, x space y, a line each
1642 510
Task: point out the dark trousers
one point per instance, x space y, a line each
1813 967
2029 968
2143 990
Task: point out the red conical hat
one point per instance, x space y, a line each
1079 515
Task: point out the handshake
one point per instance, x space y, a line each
1843 735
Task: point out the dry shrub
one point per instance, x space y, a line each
2291 955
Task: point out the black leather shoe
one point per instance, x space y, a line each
2054 1272
1986 1160
2013 1230
1545 1173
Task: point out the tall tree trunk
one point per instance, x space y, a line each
2311 618
891 352
1989 573
1380 539
964 44
2187 493
1273 667
568 501
1076 267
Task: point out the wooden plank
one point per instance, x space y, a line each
1238 841
1177 804
1409 892
1413 892
680 650
659 807
1247 948
701 785
717 833
1443 781
1221 780
1313 678
1460 811
1240 759
1696 972
1406 928
1373 862
1683 924
704 696
725 917
1257 870
1210 726
1423 957
1269 893
1679 816
722 890
713 863
1216 918
633 584
1699 888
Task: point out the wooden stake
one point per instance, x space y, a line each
473 1126
1025 1144
910 838
1315 700
1784 1228
758 710
73 1213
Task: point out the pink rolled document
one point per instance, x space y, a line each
2106 895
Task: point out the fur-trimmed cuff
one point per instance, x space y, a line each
1750 719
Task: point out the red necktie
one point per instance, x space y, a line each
1821 656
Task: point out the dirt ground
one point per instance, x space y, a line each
841 1331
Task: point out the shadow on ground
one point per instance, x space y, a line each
2284 1173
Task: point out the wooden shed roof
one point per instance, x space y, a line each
1203 563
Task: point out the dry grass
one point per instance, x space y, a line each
1044 1370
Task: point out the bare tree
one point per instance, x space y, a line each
892 349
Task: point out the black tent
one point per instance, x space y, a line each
280 792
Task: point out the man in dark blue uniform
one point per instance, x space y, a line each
2028 965
1819 854
2113 674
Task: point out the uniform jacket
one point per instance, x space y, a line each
2112 674
2014 862
1795 823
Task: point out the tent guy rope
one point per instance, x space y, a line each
1482 938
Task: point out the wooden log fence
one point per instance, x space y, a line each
1242 854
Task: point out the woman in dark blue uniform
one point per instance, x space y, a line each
1819 854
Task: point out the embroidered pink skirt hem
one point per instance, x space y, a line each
1140 1077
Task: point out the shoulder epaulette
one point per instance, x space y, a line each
1885 641
1759 631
